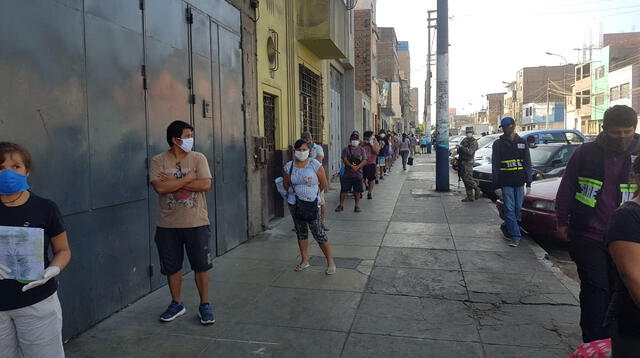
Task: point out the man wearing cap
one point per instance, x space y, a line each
354 159
466 154
511 163
316 152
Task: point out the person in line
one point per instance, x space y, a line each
406 149
511 171
383 141
304 179
396 146
389 154
624 246
467 152
371 148
354 158
424 142
181 177
593 186
414 143
30 312
316 152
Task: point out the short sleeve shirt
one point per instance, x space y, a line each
36 214
183 208
625 226
368 150
354 155
316 152
304 181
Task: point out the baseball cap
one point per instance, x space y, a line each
355 135
506 121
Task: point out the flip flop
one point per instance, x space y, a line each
331 270
339 209
301 267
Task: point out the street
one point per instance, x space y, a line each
420 274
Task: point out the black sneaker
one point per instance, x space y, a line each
174 311
205 313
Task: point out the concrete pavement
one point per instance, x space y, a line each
420 274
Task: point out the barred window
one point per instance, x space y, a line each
624 90
311 103
614 93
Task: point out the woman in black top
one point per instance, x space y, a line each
30 313
623 239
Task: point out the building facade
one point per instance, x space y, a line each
495 108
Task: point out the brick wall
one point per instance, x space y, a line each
362 38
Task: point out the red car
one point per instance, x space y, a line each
538 216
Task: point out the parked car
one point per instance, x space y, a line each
565 136
547 161
538 216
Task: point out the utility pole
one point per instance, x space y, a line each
442 93
548 111
427 84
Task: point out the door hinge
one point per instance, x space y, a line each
144 83
189 16
192 99
141 4
143 70
242 107
189 83
150 270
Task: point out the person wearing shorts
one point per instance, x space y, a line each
181 178
354 159
371 147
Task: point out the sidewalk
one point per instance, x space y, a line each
420 274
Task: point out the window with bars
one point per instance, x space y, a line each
599 99
269 107
624 90
311 103
599 72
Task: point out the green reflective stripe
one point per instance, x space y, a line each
509 161
628 188
511 169
586 200
590 182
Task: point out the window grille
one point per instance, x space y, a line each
311 103
269 108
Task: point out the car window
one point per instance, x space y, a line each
546 138
564 155
486 140
574 138
540 156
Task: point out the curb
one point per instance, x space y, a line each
570 284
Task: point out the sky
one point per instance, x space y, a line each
492 39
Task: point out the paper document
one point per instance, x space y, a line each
22 251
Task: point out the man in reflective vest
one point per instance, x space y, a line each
511 170
595 183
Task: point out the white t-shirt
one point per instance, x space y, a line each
316 151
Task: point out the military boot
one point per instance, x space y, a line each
478 193
469 197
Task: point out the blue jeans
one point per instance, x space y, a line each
513 197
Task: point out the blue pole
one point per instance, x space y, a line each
442 94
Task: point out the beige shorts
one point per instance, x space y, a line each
32 331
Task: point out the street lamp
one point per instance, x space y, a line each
564 88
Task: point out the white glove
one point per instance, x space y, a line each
498 193
49 273
527 190
4 272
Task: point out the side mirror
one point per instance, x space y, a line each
556 162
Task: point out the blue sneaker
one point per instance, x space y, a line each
174 311
206 314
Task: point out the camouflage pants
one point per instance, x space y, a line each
467 176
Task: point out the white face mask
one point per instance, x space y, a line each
469 135
187 144
355 143
382 135
301 156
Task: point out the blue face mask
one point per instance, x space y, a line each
12 182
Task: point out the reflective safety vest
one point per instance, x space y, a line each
511 165
591 179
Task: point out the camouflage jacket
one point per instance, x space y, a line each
467 149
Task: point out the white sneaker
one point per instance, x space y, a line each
514 242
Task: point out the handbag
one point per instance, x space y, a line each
303 210
410 160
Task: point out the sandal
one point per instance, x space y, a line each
357 209
339 208
331 270
301 267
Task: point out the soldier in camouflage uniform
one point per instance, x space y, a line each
466 153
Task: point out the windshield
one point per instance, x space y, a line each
455 139
484 141
541 155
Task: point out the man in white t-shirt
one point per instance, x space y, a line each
317 153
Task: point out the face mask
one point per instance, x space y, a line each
509 130
187 144
469 135
382 135
12 182
301 156
310 145
355 143
618 145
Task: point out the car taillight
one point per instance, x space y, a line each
543 205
